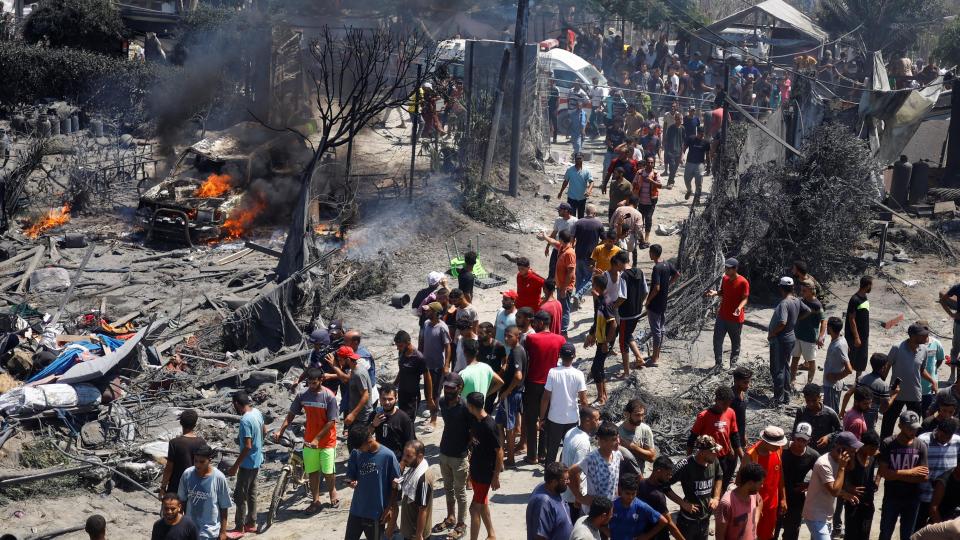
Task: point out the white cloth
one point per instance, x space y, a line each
408 483
564 384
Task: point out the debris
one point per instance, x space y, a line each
49 279
667 231
893 322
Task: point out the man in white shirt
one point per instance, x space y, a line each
565 386
576 446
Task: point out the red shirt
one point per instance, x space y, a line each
543 351
732 292
529 288
555 310
719 426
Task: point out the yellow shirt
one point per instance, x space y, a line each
601 256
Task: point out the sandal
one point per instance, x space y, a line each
313 509
443 525
335 504
457 532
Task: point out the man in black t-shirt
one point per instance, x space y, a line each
180 452
945 504
629 312
391 426
511 395
797 462
856 329
486 462
492 353
454 445
664 275
860 479
465 277
701 479
173 525
697 149
651 491
411 368
903 466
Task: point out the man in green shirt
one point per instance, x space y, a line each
810 332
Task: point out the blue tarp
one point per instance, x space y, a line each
69 356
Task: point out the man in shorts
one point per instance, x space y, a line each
810 334
319 438
511 396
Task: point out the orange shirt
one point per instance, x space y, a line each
566 269
320 407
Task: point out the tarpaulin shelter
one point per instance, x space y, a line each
781 28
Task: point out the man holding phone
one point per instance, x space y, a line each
906 361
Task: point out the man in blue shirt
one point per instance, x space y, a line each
580 184
632 517
205 491
548 516
578 125
247 464
371 471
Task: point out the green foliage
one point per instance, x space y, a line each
889 25
95 81
94 25
948 45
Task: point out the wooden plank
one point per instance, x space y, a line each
17 258
235 372
262 249
233 257
134 314
34 263
943 207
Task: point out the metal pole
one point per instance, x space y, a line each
519 40
416 122
495 121
724 122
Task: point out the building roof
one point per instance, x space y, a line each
779 10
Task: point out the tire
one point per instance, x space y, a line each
278 492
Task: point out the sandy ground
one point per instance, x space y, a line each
434 220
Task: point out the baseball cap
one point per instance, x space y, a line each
435 306
773 435
319 336
567 350
692 107
452 380
803 431
565 206
511 294
786 281
347 352
917 330
910 418
433 278
731 263
706 442
849 440
335 325
578 155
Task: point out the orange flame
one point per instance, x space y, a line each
328 229
53 218
215 186
241 220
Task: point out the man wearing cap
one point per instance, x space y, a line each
701 480
580 182
905 363
434 344
586 234
734 293
352 338
810 333
564 389
424 296
506 315
767 452
782 338
797 461
903 465
319 339
543 351
826 486
943 446
454 447
564 221
857 325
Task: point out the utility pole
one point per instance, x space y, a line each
495 121
417 96
519 42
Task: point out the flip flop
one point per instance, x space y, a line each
313 509
234 535
335 504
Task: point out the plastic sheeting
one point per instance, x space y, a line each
891 117
72 353
267 321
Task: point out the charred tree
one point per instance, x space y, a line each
357 74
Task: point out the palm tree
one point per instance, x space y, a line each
883 25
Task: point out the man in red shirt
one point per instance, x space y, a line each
529 284
551 305
734 292
543 351
624 160
720 422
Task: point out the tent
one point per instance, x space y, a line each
774 27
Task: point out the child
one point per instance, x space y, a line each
601 333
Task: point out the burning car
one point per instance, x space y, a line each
206 196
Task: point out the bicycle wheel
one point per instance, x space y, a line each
278 492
